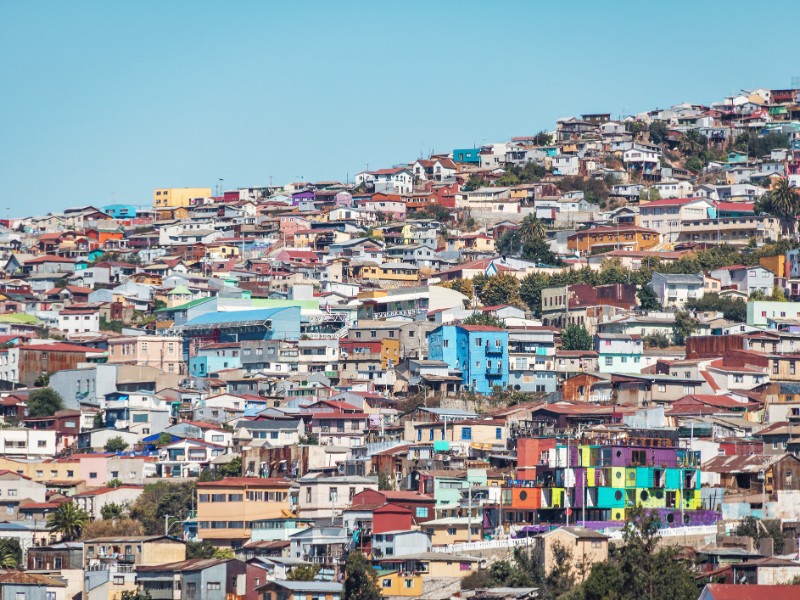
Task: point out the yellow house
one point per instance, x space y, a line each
390 351
427 565
44 470
453 530
396 583
586 547
136 549
774 264
479 431
390 271
170 197
227 508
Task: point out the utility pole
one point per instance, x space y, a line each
469 510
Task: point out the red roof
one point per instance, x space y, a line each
107 490
735 206
59 347
727 591
340 416
247 482
48 258
480 328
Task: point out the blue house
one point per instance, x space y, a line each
182 314
480 351
215 357
467 155
120 211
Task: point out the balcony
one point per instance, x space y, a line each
494 372
491 349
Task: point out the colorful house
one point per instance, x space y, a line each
479 351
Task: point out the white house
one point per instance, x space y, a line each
676 290
73 321
399 180
619 352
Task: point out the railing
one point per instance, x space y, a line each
411 312
675 531
483 545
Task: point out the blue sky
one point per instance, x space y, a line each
104 101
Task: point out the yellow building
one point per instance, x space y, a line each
172 197
390 351
453 530
427 565
395 583
135 549
392 271
227 508
774 264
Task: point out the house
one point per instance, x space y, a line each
728 591
745 279
618 352
227 508
74 321
481 352
93 500
400 542
319 497
621 237
280 589
18 585
667 216
676 290
133 550
163 352
586 546
206 578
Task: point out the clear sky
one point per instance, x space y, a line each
102 102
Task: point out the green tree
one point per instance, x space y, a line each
658 132
561 578
783 202
685 325
68 520
648 299
199 550
116 444
693 142
44 402
304 573
575 337
778 295
531 228
10 553
539 251
360 581
384 481
657 340
231 469
733 309
164 439
98 422
311 439
542 139
135 595
483 318
160 499
112 511
42 380
500 289
758 530
463 286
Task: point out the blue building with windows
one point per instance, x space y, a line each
467 155
120 211
479 351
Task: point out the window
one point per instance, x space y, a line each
478 342
92 475
422 512
12 493
466 433
213 585
333 494
662 387
609 361
498 433
451 531
119 580
41 443
409 583
387 583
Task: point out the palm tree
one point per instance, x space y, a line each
8 560
68 520
531 228
692 142
783 201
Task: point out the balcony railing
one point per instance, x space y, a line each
410 312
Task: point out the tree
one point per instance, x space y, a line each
98 422
160 499
542 139
463 286
116 444
199 550
304 573
112 511
782 201
311 439
384 481
539 251
733 309
10 553
531 228
561 578
692 142
648 299
135 595
575 337
483 318
778 295
42 380
360 581
500 289
638 570
44 402
685 325
231 469
68 520
656 340
758 530
164 439
658 132
111 528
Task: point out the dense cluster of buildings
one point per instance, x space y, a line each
317 335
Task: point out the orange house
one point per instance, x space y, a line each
532 452
101 236
604 239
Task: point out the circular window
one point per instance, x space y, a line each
659 494
619 475
523 495
618 495
518 387
644 495
618 515
619 453
670 518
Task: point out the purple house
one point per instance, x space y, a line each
344 199
306 195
